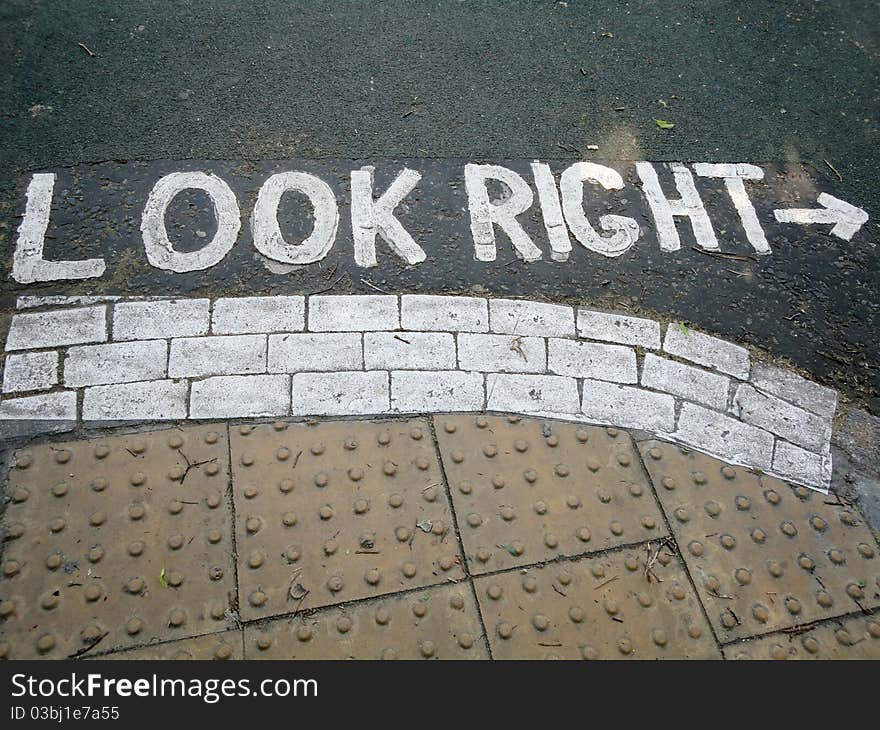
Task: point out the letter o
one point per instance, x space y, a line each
160 252
268 239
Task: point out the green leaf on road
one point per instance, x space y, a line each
162 581
664 124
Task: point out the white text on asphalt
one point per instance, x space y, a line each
374 215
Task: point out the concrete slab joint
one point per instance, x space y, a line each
128 358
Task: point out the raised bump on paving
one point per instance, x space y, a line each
764 555
527 490
629 604
336 511
440 622
116 542
219 647
857 637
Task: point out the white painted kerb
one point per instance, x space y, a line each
356 355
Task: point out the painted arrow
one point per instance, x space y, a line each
847 219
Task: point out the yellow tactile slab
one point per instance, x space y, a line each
763 555
116 542
604 607
223 646
853 638
439 622
527 490
332 512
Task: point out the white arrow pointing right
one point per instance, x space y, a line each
847 219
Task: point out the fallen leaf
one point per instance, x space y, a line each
664 124
425 525
162 581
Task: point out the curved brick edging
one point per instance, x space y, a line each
118 358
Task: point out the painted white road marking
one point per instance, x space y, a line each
269 240
485 215
160 252
625 230
689 205
847 218
551 210
734 177
28 264
561 206
369 217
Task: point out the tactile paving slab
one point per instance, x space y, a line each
764 555
440 622
116 542
853 638
527 490
332 512
629 604
223 646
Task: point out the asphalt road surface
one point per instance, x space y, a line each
794 84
